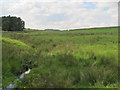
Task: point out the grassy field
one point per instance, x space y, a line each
68 59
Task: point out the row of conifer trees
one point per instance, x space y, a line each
12 23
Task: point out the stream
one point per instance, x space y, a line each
13 84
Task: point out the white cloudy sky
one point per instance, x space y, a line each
63 14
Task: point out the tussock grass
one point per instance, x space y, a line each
62 59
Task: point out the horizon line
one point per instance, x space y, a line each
76 28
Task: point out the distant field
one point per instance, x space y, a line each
68 59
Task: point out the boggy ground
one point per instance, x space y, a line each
68 59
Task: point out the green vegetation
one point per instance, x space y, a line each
10 23
16 43
74 59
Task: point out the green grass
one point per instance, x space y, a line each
16 43
13 51
68 59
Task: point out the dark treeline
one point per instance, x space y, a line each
12 23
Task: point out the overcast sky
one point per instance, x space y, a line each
63 14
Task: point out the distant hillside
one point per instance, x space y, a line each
96 28
73 29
